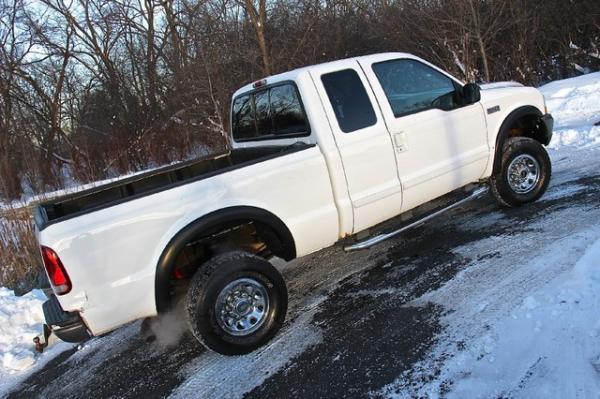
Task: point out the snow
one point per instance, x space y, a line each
546 345
531 328
21 320
499 85
575 105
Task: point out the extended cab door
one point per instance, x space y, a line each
363 142
440 143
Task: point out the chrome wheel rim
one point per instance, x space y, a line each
242 307
523 174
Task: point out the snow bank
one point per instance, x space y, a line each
21 319
575 105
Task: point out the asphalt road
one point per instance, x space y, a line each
353 326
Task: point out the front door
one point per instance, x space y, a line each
362 139
440 144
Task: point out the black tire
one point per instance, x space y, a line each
211 279
514 147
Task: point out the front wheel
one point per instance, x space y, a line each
236 303
524 174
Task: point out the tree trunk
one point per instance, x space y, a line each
9 180
258 19
480 43
486 68
151 60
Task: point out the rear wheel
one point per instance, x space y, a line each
524 174
236 303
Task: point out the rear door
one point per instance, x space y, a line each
362 139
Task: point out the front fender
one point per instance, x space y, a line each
511 119
504 106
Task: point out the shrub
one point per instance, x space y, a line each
20 260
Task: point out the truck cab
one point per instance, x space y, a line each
400 130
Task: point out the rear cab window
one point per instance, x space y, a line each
269 113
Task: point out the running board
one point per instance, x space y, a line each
368 243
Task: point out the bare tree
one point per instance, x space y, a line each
9 49
258 18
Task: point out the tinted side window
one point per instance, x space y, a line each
243 117
349 99
286 113
270 113
411 86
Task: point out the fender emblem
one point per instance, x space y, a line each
493 109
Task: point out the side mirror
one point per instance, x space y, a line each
471 93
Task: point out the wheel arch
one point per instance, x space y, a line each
284 244
528 114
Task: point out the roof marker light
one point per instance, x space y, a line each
259 83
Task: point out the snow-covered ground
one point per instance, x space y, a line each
531 332
21 320
537 336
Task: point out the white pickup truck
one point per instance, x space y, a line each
318 155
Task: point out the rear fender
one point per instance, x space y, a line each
283 246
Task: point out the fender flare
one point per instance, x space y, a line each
504 130
209 222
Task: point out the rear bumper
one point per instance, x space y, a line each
548 121
68 326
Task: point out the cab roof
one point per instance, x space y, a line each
295 73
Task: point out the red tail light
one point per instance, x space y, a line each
56 272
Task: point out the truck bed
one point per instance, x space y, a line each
96 198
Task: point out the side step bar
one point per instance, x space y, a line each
369 242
